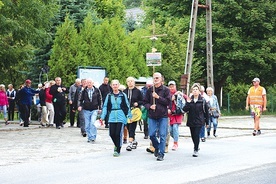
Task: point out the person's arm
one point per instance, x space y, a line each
265 102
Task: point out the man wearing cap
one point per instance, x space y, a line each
25 101
256 98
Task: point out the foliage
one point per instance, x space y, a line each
132 3
65 56
23 27
107 9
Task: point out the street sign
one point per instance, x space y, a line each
153 59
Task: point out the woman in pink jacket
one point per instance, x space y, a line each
4 104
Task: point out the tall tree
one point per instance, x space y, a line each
23 28
65 56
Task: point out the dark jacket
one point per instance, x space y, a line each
42 97
162 103
198 114
96 102
134 95
78 93
25 95
105 89
58 97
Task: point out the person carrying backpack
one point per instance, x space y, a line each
175 112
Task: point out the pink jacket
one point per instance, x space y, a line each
3 98
175 119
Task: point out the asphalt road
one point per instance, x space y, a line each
46 155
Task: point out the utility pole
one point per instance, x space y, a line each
190 46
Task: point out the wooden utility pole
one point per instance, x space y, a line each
209 45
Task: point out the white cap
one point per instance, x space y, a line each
256 80
171 83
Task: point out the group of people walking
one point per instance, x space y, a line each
163 109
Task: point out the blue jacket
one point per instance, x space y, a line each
26 95
214 103
116 115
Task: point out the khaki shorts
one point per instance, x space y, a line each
256 110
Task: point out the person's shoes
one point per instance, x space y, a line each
106 126
71 126
129 147
64 123
84 134
21 124
42 124
146 137
6 123
195 154
116 154
259 132
125 141
149 150
175 146
203 139
156 152
26 126
254 133
160 158
134 144
58 127
93 141
215 135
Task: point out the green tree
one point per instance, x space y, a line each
65 57
23 28
110 8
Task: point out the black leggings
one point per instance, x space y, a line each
195 136
131 127
116 134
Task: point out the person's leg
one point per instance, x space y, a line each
43 115
202 133
131 132
146 128
118 136
215 124
125 134
72 115
152 133
50 108
163 131
87 117
82 122
63 113
92 124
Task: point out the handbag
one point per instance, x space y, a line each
215 113
136 115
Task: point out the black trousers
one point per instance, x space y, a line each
25 111
116 134
146 127
60 113
72 115
11 110
131 127
195 136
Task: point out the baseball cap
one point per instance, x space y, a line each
256 80
171 83
28 81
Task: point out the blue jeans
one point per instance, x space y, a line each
202 132
90 118
213 121
160 127
174 132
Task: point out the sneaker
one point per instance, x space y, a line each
254 133
21 124
6 123
175 146
134 145
160 158
146 137
203 139
93 141
84 134
259 132
129 147
215 135
116 154
125 141
156 152
195 154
